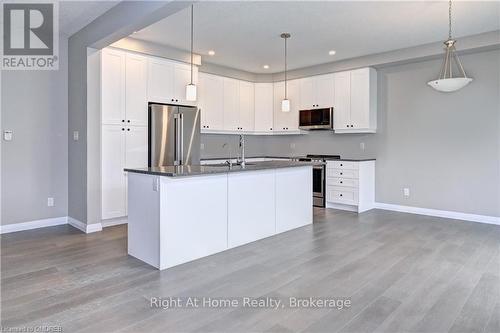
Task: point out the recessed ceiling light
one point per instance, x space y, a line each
266 66
332 52
211 53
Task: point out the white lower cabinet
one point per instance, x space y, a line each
251 206
122 147
293 198
113 177
350 185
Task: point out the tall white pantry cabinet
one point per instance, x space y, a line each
124 135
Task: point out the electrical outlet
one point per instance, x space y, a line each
406 192
202 146
7 135
50 202
362 146
292 145
76 135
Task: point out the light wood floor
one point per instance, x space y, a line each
402 273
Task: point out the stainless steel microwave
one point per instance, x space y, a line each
316 119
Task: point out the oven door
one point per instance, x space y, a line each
319 185
316 119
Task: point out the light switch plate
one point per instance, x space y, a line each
406 192
7 135
76 135
50 202
362 146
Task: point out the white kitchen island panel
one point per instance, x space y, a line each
194 211
251 208
294 206
176 219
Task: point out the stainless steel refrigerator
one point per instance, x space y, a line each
174 135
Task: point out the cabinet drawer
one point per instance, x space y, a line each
344 182
343 165
342 173
342 195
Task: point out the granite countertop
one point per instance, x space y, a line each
355 159
198 170
345 159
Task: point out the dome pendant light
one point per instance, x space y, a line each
446 82
285 103
191 87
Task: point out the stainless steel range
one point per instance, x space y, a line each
319 174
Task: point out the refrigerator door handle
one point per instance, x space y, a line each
177 132
181 139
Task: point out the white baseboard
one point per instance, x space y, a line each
350 208
4 229
86 228
113 222
440 213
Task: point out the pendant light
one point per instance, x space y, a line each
285 103
191 87
446 82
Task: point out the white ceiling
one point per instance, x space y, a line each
245 35
74 15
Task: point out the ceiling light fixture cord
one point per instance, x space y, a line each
449 20
192 37
285 69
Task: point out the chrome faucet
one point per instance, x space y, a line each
229 162
241 161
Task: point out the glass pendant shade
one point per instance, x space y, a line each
191 92
449 85
285 105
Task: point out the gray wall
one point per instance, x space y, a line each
35 162
444 147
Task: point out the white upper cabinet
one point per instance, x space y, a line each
263 108
182 77
231 104
342 101
160 81
307 95
356 101
317 92
210 101
287 121
324 90
247 106
136 90
113 87
167 81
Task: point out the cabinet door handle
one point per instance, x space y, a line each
128 129
123 129
341 182
341 194
123 120
128 121
341 173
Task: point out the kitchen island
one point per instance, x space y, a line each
181 213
